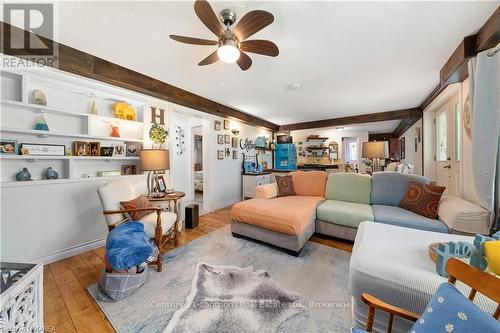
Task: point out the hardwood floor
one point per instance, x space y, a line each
69 308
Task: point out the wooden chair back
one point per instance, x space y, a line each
479 281
486 284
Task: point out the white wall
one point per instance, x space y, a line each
412 156
225 175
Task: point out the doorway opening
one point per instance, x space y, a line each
197 166
447 145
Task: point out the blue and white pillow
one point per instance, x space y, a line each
451 312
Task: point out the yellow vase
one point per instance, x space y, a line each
492 249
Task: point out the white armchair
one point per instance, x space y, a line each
159 225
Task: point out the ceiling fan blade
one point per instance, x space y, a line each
259 46
213 57
251 23
206 14
244 61
191 40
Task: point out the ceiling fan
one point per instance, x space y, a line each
232 44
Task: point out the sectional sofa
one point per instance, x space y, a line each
332 205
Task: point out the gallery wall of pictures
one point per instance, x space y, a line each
227 140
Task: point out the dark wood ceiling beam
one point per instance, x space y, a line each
489 34
404 125
380 136
365 118
81 63
455 69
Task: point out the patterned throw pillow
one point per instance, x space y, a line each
285 186
422 199
140 202
449 311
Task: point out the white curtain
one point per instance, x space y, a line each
484 73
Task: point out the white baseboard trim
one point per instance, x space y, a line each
225 204
71 251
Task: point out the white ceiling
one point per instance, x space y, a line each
350 57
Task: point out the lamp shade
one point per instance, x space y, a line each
375 149
154 159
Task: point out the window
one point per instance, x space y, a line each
442 137
351 150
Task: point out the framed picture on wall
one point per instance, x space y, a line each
81 148
107 151
129 170
234 142
402 148
8 147
235 154
220 154
42 149
226 124
220 139
133 149
95 148
227 138
217 125
119 150
161 184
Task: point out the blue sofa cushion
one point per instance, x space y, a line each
404 218
127 245
388 188
450 311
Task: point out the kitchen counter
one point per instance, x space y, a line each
322 167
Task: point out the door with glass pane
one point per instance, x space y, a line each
448 146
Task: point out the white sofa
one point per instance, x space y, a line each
392 264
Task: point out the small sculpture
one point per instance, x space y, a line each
115 131
23 175
39 97
41 123
123 110
474 251
93 107
51 174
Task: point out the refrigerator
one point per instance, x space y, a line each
285 156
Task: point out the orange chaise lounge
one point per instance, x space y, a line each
287 222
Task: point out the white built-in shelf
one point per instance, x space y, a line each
43 182
33 157
43 109
46 134
47 109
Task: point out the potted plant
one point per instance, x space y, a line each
158 134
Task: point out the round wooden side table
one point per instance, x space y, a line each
169 199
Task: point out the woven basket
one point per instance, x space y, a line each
431 249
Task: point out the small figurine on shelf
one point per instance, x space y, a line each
23 175
115 131
93 107
51 174
123 110
41 123
39 97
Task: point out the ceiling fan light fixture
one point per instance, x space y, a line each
228 52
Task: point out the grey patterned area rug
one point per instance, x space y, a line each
317 281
